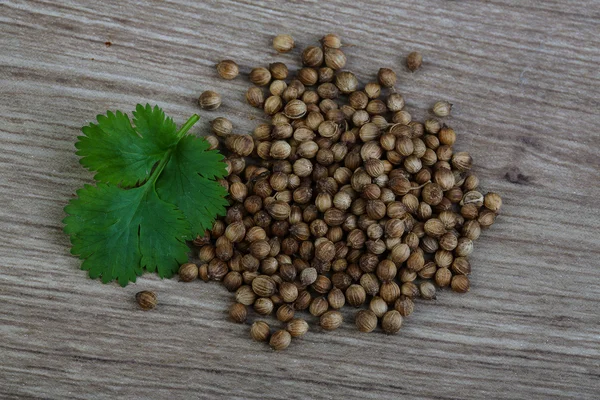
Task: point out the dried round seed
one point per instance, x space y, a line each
209 100
283 43
238 312
146 299
442 108
280 340
260 331
297 327
391 322
188 272
331 320
414 61
228 69
366 321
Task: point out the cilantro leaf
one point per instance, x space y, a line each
156 188
122 154
119 231
186 182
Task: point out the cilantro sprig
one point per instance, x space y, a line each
155 188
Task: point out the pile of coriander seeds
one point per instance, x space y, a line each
341 200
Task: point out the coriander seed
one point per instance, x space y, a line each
285 312
378 306
427 290
203 272
146 299
283 43
221 126
297 327
443 277
334 58
238 312
460 283
188 272
336 298
255 97
278 70
280 340
263 306
318 306
386 77
391 322
228 69
209 100
366 321
356 295
331 41
414 61
331 320
442 108
312 56
260 76
404 305
493 202
260 331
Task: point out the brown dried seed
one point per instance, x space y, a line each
297 327
366 321
280 340
238 312
228 69
146 299
414 61
391 322
264 286
209 100
260 331
331 320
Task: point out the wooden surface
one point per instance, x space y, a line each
524 79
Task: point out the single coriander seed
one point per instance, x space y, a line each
209 100
280 340
188 272
297 327
332 41
238 312
414 61
331 320
146 299
366 321
260 331
391 322
460 283
386 77
260 76
283 43
221 126
442 108
228 69
492 201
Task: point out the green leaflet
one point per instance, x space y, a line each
118 229
122 154
118 232
186 182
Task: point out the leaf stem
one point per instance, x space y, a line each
186 127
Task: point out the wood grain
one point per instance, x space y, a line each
525 82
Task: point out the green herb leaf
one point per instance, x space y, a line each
118 232
186 182
121 230
122 154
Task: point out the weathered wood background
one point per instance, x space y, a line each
525 81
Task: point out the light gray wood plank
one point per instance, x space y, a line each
525 83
